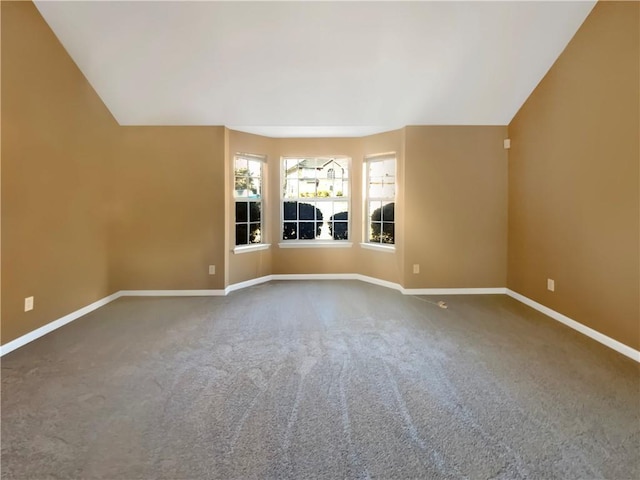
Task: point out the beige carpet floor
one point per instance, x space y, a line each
318 380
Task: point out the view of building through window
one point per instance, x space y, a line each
248 198
315 203
380 198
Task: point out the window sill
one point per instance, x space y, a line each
315 244
251 248
379 248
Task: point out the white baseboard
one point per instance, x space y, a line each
172 293
382 283
247 283
336 276
569 322
591 333
454 291
314 276
50 327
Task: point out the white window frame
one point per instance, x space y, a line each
261 245
315 242
367 243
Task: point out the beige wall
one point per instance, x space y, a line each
317 260
456 207
452 208
249 265
168 209
278 260
384 265
57 146
89 208
573 179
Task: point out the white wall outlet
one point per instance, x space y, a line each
551 285
416 268
212 269
28 304
507 143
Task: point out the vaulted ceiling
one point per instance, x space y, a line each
314 68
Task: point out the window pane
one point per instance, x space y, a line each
255 234
307 187
388 233
339 230
289 231
342 188
389 168
289 163
307 230
388 213
340 206
241 166
241 187
307 211
374 232
375 186
341 167
324 189
375 211
241 212
254 187
255 169
290 210
376 169
388 187
254 211
341 211
241 234
291 188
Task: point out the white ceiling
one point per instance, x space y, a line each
314 68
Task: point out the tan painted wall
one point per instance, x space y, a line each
317 260
456 180
57 148
456 207
168 209
573 179
249 265
89 208
383 265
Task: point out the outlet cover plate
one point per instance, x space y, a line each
28 304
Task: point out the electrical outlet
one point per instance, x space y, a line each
28 304
416 268
551 285
212 269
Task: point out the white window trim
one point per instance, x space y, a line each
381 247
254 247
314 243
387 247
249 247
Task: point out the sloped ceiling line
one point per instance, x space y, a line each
314 68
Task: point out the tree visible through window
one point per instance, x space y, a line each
315 198
380 198
248 198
